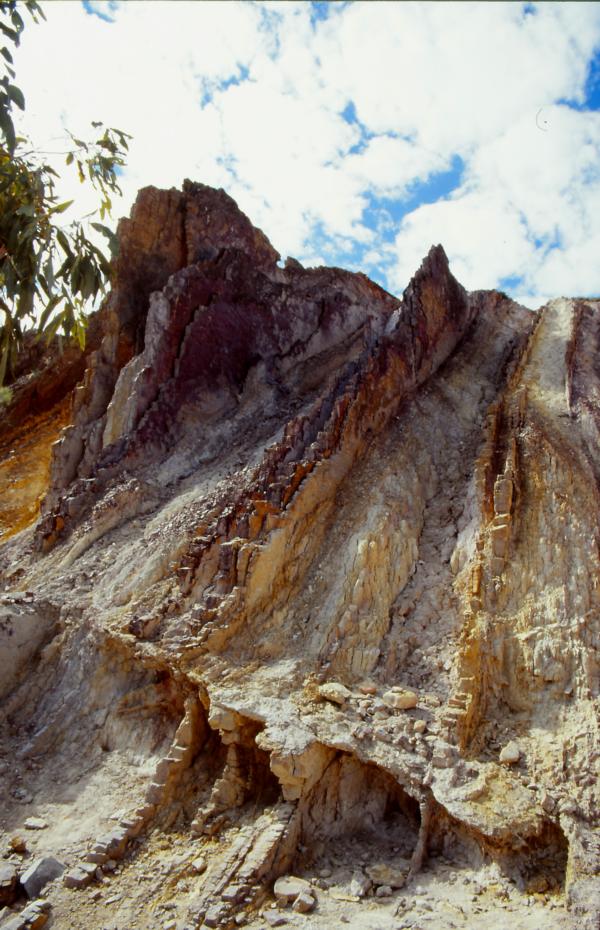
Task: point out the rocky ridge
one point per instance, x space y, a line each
313 589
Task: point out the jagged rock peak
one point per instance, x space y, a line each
214 221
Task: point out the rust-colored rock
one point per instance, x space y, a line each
31 421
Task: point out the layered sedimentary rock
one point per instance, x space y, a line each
39 409
315 566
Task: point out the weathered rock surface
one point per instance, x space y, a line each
25 627
314 586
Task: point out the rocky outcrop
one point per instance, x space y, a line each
314 564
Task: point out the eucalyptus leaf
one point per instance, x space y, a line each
61 207
32 244
16 95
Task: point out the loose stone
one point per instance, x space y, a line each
510 754
384 891
35 823
400 699
334 692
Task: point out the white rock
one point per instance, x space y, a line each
510 753
400 699
222 718
35 823
335 692
199 865
359 885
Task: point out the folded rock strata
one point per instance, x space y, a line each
312 562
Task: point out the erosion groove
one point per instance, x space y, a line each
306 629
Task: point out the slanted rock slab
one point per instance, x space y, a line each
36 914
39 873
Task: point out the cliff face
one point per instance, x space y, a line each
314 588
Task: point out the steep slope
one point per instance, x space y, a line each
313 588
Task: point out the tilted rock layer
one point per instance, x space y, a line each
314 586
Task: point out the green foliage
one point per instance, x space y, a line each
48 271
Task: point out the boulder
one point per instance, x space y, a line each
400 699
510 754
289 887
334 692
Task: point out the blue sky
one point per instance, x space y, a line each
358 133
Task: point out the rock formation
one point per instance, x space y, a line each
312 596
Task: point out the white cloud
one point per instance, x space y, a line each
389 164
528 208
454 75
485 239
249 96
